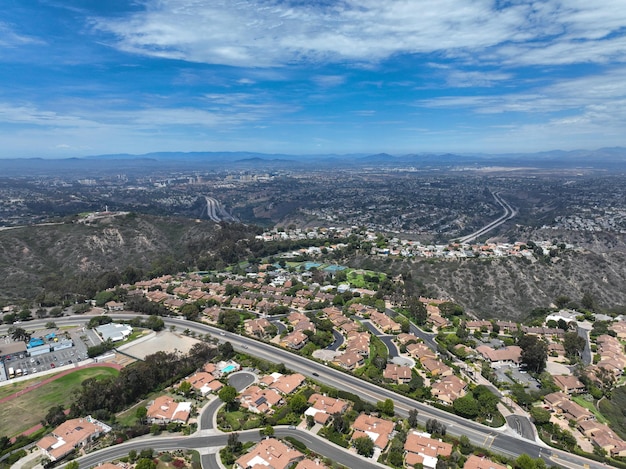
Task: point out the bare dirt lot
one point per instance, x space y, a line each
165 341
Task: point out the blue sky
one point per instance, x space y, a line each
84 77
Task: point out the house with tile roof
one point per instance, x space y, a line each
569 384
377 429
269 453
323 407
421 449
164 410
448 389
398 374
349 360
260 401
71 434
481 462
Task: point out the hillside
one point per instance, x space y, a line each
511 288
76 259
73 260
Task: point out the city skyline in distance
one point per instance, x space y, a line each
86 78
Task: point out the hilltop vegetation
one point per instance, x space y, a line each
69 262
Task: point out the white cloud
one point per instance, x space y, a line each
10 38
589 92
262 33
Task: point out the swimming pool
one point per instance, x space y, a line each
229 368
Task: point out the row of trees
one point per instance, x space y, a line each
102 398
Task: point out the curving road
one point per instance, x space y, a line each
509 212
497 440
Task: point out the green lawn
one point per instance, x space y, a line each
29 409
239 420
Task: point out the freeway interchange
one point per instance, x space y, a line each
496 440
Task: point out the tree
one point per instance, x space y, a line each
539 415
190 311
466 406
184 388
72 465
587 302
534 352
298 404
19 334
145 463
229 319
435 426
226 350
413 418
233 442
386 407
267 431
573 344
228 394
339 423
417 310
364 446
55 416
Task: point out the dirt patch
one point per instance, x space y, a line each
165 341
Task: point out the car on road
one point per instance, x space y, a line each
315 374
222 333
244 346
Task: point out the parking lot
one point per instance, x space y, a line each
31 365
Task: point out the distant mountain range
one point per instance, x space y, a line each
603 158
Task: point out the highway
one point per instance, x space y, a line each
509 212
496 440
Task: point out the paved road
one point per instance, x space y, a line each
496 440
509 212
339 340
521 425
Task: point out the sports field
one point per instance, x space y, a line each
29 408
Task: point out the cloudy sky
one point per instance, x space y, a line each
82 77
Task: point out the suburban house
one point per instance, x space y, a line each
323 407
478 462
421 449
511 354
164 410
258 327
397 373
448 389
296 340
269 453
569 384
384 322
377 429
69 435
286 384
259 401
358 342
204 382
310 464
420 351
603 437
349 360
436 367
